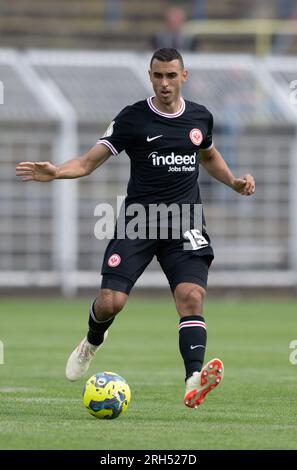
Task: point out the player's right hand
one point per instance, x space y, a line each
36 171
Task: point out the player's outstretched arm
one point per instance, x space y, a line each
216 166
75 168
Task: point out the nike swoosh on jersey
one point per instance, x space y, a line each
197 346
149 139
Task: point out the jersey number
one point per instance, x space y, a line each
196 239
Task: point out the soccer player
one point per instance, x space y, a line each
165 137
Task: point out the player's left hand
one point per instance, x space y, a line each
244 185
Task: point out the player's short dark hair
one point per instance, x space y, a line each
167 54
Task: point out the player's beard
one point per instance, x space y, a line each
165 96
168 98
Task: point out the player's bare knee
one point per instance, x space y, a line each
119 300
109 303
189 299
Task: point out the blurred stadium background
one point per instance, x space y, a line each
68 67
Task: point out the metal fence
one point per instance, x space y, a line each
57 104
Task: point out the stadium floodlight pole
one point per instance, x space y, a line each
65 196
293 200
293 208
64 191
282 96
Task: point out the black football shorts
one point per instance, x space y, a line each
126 259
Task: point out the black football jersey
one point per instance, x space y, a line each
163 150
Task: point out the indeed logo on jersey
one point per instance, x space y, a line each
175 163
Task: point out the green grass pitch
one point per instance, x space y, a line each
254 407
